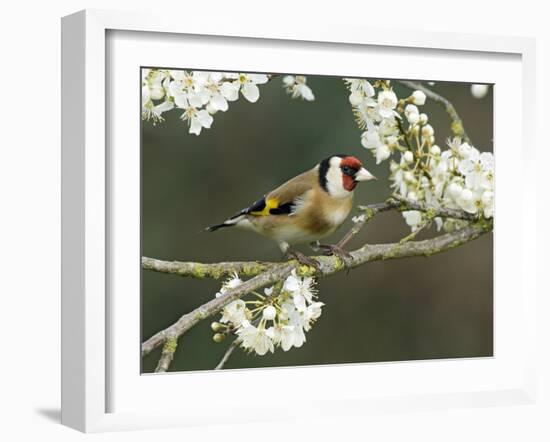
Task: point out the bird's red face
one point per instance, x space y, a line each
339 174
353 172
350 166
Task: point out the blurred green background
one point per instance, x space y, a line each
407 309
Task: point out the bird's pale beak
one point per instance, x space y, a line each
364 175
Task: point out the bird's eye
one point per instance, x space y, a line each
348 170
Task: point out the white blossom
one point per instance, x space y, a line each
412 114
197 119
220 92
301 289
359 218
413 218
418 98
487 202
230 283
269 313
234 312
408 156
290 313
387 101
479 90
247 84
459 177
200 94
255 338
372 140
296 86
286 336
427 131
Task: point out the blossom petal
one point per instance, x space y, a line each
230 91
219 102
181 101
195 127
195 100
306 92
204 118
258 78
250 92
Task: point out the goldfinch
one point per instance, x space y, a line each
306 208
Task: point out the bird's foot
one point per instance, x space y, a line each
335 250
303 259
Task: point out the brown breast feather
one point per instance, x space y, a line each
318 215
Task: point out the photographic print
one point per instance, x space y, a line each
291 220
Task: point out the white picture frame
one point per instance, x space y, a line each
86 204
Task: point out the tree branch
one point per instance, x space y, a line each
278 271
328 265
227 354
456 123
253 268
200 270
168 351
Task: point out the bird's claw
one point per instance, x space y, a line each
335 250
303 259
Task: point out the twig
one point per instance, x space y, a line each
456 123
407 204
168 351
370 211
402 130
227 354
328 265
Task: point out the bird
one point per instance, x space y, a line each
306 208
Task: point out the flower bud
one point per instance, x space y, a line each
411 109
408 156
408 176
413 118
435 150
423 119
269 313
393 167
427 131
479 90
216 327
412 196
218 337
418 98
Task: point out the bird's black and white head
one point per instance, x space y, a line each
339 174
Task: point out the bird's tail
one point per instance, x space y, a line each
227 223
217 226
